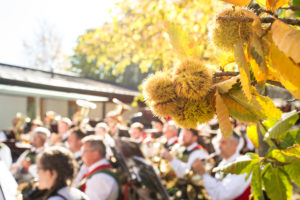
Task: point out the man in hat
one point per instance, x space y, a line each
225 186
192 151
25 167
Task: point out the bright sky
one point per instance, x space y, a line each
19 20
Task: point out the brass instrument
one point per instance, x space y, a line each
30 191
152 149
189 187
18 124
195 184
81 117
118 111
113 118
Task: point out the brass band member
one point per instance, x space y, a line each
137 132
63 127
56 170
171 134
192 152
99 182
101 130
75 143
49 119
225 186
24 168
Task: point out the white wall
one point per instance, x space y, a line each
60 107
9 106
97 112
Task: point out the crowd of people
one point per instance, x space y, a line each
74 159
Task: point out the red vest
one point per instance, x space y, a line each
82 184
245 195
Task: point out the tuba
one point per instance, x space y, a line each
80 118
118 111
113 118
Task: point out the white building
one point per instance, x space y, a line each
33 92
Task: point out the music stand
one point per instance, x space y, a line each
150 178
2 197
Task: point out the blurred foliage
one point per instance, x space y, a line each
137 39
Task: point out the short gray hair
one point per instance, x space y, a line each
96 143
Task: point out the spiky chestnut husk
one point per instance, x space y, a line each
227 33
163 109
192 112
159 87
192 79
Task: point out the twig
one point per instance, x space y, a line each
263 20
290 8
260 122
295 22
218 74
269 12
276 83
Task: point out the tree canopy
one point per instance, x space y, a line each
137 38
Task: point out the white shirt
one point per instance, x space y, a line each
171 140
180 168
69 193
230 187
5 155
101 186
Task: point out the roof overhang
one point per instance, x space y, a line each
43 93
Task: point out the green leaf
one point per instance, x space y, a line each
240 58
296 3
257 53
277 184
256 183
285 123
293 170
269 123
242 165
290 138
288 155
293 151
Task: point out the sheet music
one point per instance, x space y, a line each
8 183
